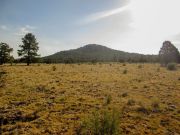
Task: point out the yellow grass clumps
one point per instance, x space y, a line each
56 99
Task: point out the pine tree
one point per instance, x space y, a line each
168 53
29 48
5 51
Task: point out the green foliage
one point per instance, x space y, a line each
5 51
29 48
171 66
105 123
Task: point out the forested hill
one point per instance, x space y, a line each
97 53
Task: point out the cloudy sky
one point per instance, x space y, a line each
128 25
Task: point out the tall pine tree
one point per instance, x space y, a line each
5 51
29 48
168 53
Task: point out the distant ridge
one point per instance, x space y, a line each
97 53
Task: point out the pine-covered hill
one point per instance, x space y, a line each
97 53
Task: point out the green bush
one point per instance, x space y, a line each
171 66
105 123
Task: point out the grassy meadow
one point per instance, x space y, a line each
57 98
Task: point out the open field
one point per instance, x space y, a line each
54 99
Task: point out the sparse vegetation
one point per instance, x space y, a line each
42 101
105 123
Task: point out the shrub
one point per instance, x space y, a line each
125 94
125 71
158 69
142 109
155 106
124 64
2 81
94 61
108 99
131 102
41 88
54 68
145 86
2 73
139 66
105 123
171 66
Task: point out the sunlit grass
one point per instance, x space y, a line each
53 99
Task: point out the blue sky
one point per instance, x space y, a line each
128 25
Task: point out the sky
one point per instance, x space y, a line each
139 26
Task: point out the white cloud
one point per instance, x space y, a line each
24 30
153 21
3 27
100 15
30 27
150 23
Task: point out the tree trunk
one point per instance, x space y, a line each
28 61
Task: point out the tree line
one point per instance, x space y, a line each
28 53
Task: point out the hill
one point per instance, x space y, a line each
97 53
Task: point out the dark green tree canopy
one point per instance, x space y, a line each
29 48
168 53
5 51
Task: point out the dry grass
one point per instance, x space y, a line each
41 99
